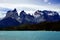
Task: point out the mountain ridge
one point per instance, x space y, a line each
38 17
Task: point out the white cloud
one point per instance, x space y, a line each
49 3
45 7
45 0
40 7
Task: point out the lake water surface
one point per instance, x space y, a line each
29 35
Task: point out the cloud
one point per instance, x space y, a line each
45 0
31 6
49 3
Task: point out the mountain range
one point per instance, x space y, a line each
13 19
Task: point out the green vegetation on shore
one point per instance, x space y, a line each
48 26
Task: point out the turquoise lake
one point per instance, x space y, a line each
29 35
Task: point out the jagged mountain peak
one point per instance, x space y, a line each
40 16
12 14
22 12
15 10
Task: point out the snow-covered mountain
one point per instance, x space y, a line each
51 15
13 14
24 18
39 16
46 15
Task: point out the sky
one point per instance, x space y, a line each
31 5
38 4
30 1
45 3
